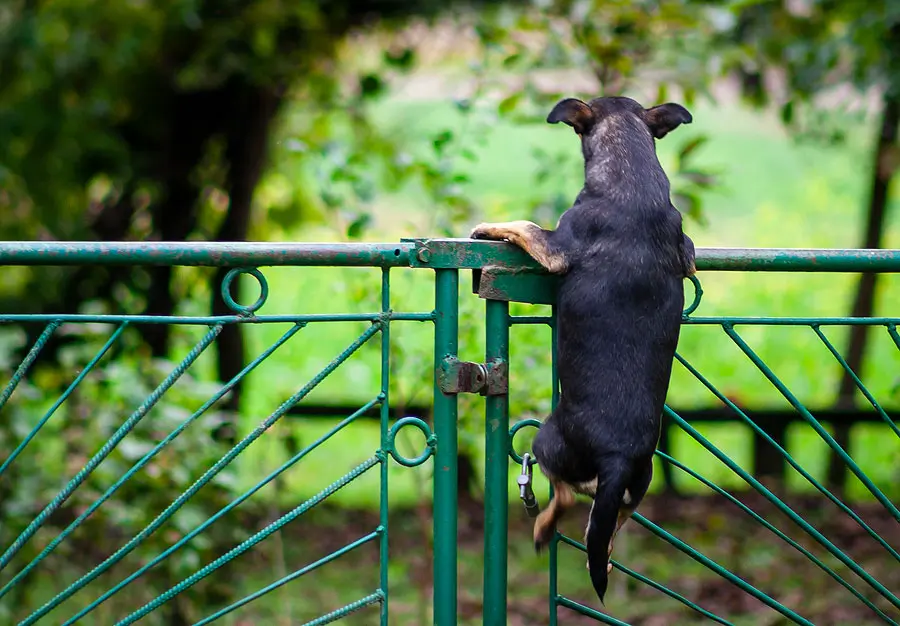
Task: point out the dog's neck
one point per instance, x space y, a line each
620 163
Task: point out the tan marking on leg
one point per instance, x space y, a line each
624 515
545 524
528 236
588 488
587 563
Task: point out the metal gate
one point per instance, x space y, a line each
501 274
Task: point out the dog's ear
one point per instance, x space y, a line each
665 118
573 112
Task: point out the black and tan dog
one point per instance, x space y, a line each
623 257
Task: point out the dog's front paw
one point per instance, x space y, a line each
483 231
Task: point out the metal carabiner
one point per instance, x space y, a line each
526 493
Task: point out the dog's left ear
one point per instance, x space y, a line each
665 118
573 112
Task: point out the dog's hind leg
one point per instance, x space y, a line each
530 237
545 524
624 514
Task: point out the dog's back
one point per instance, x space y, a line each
621 300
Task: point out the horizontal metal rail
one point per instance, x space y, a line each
435 253
204 253
714 415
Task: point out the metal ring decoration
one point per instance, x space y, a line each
512 433
240 308
698 294
430 441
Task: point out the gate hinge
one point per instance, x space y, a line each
486 379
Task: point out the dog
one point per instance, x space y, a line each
623 258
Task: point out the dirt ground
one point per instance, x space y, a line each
714 527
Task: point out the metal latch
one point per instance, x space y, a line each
526 493
487 379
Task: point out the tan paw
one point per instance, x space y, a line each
543 535
482 231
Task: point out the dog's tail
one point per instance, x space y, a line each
614 477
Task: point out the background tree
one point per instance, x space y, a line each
152 121
794 54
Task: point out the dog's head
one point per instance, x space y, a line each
596 121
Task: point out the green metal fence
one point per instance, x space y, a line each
501 274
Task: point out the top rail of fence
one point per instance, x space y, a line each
424 253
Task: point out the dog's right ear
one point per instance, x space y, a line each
573 112
665 118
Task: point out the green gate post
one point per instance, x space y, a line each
496 478
446 294
554 544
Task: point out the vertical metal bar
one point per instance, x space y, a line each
554 594
385 415
446 294
496 478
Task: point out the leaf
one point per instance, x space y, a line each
688 148
403 60
687 203
512 59
690 94
662 93
462 104
331 199
442 139
704 180
371 85
509 103
358 226
787 112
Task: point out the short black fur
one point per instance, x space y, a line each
619 314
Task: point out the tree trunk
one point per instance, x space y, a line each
883 169
247 143
196 118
